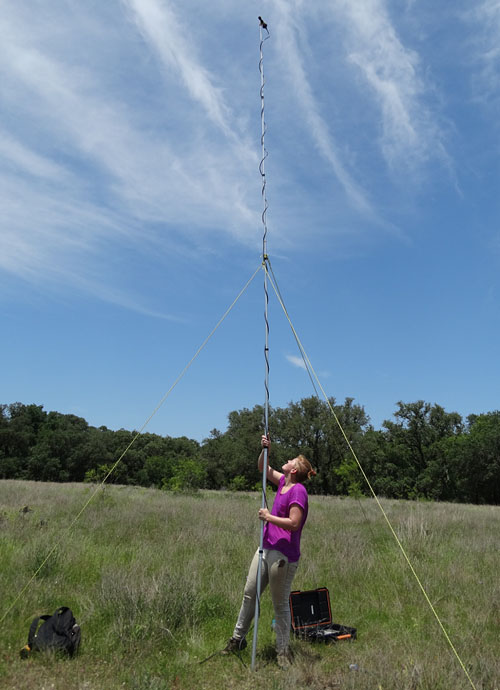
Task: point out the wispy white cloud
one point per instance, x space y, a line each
488 12
85 166
169 37
23 159
62 248
159 24
130 300
410 133
485 18
289 29
62 228
296 361
144 170
135 132
299 363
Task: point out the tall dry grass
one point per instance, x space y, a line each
155 580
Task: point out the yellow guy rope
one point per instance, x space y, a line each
406 557
136 436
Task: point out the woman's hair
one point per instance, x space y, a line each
304 469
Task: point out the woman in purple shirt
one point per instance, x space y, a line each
282 531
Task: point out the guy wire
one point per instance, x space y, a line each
299 344
372 491
302 353
134 439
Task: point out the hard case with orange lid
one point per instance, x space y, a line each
312 617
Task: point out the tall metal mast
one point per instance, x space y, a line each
263 25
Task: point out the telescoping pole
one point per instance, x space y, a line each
266 346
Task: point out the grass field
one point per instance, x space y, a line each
155 581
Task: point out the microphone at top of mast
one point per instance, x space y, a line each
263 24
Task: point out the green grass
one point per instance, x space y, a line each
155 581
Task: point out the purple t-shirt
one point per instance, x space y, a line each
283 539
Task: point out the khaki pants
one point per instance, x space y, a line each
278 573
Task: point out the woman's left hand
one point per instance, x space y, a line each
264 514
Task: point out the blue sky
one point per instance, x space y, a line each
131 199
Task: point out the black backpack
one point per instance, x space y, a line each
59 632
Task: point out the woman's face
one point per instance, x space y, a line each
289 466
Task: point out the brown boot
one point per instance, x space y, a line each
284 659
234 645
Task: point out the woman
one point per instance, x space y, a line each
282 532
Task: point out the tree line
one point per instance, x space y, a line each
424 452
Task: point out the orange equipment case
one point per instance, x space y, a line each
312 617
